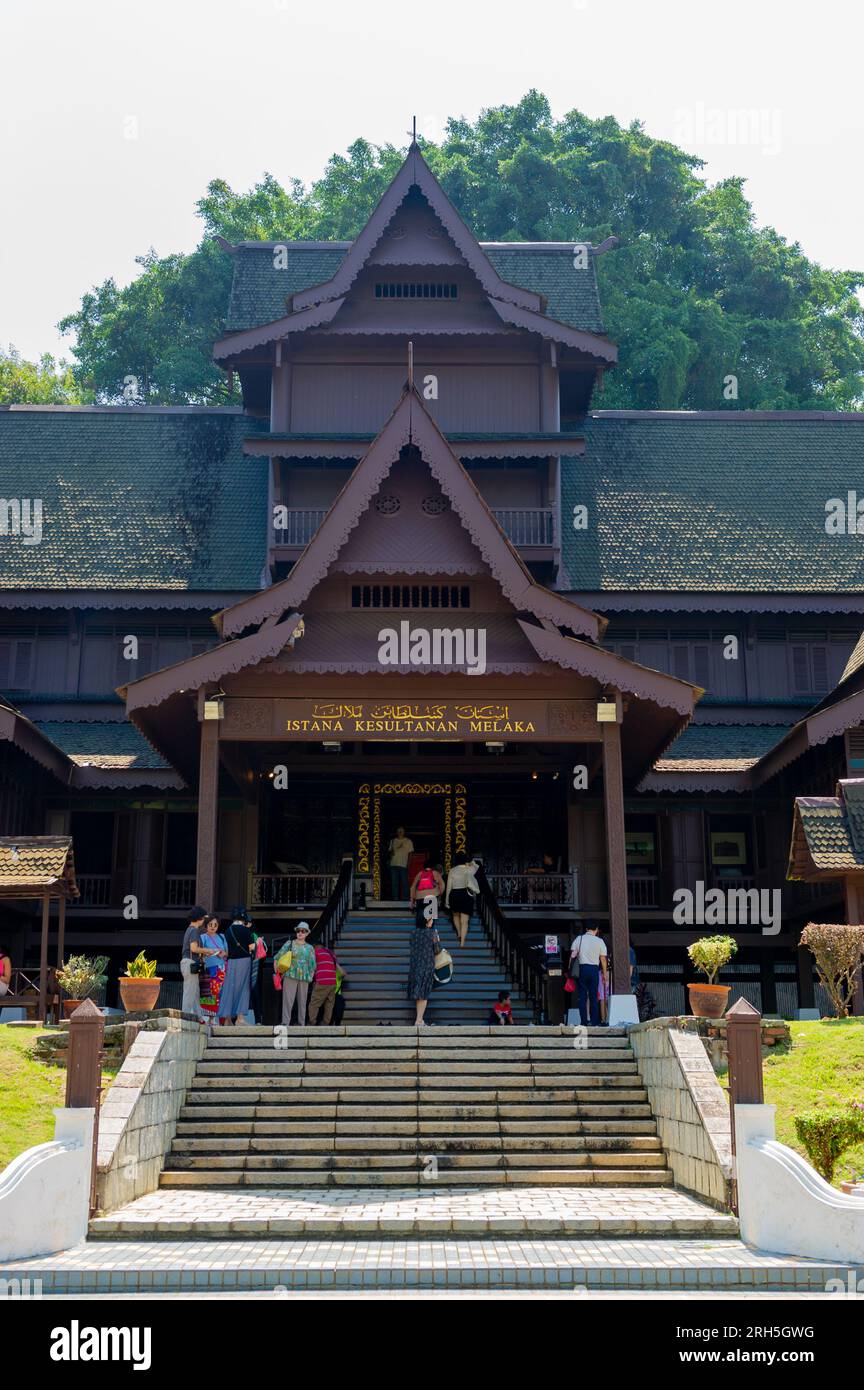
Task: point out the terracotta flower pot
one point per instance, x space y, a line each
708 1001
69 1006
139 996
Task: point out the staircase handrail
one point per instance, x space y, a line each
518 959
328 925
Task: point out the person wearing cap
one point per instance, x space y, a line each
234 998
191 954
324 988
297 978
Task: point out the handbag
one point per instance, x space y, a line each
570 986
574 966
443 968
283 961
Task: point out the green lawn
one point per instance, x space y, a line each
824 1066
28 1090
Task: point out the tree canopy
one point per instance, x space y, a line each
45 382
694 294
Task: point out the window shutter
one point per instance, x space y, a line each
681 663
5 663
702 666
23 663
627 650
800 671
819 657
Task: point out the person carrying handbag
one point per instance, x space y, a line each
295 964
425 945
587 959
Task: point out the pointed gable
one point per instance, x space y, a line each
410 424
415 174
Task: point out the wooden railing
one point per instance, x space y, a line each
95 891
642 890
536 890
301 525
179 890
529 526
328 924
291 890
521 964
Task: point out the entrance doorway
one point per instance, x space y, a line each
432 813
423 820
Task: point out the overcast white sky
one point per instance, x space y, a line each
231 88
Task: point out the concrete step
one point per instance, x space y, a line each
227 1136
550 1119
404 1136
449 1213
713 1263
264 1109
456 1177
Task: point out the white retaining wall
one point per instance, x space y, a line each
138 1119
784 1206
690 1106
45 1191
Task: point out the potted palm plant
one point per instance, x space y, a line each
140 986
80 978
709 954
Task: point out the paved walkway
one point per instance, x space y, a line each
579 1267
606 1211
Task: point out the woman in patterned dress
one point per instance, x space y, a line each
212 973
421 965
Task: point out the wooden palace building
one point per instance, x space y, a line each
422 579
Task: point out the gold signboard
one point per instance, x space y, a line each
466 720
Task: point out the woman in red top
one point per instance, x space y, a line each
427 884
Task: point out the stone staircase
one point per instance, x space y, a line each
380 1107
374 948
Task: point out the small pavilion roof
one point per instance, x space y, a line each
33 865
828 834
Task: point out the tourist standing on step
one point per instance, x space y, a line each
212 974
589 953
426 889
401 849
421 964
5 970
298 976
234 999
324 987
461 893
191 959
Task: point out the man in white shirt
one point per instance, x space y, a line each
589 953
401 849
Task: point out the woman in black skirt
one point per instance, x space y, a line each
462 893
421 965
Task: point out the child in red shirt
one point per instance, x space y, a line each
502 1012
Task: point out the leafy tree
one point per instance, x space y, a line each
45 382
695 295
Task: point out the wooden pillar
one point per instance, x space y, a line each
768 983
616 858
806 992
61 929
43 958
744 1039
280 398
84 1071
854 906
208 808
